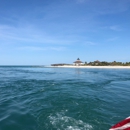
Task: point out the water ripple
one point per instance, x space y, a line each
62 99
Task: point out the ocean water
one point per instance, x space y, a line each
34 98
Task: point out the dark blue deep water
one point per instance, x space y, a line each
33 98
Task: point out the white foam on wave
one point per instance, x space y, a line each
62 122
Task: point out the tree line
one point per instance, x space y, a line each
105 63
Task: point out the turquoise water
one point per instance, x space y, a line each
63 98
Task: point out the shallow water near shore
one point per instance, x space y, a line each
34 98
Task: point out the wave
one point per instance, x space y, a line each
62 122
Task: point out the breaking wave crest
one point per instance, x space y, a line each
62 122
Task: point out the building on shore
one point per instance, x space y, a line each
78 62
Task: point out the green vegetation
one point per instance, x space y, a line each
104 63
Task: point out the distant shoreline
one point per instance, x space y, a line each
101 67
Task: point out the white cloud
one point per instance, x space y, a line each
113 28
112 39
29 34
36 48
89 43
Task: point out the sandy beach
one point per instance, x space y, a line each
100 67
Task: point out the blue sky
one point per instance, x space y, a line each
41 32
